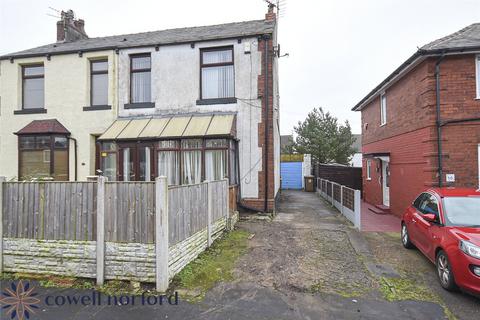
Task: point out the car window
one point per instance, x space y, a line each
429 205
418 201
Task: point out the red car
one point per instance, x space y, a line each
444 224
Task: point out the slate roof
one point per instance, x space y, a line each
48 126
467 39
162 37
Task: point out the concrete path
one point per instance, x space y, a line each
372 222
306 264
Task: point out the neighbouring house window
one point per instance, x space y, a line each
140 78
191 161
369 168
217 73
108 160
383 109
478 77
33 90
168 161
43 156
216 164
99 82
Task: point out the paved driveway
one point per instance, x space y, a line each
305 264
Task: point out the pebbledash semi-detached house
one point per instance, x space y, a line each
421 125
192 104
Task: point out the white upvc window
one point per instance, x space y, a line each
383 109
369 168
478 75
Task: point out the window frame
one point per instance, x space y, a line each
132 71
477 74
217 100
177 148
383 109
24 77
369 169
92 73
229 141
51 149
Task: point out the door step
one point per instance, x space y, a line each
380 209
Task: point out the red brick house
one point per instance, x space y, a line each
421 125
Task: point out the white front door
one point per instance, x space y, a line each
386 183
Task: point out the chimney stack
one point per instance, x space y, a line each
271 15
69 29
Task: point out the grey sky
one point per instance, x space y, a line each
339 50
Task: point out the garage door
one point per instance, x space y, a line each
291 173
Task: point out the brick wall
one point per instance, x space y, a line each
409 104
410 173
258 203
410 133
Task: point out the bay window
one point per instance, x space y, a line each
43 156
217 73
182 161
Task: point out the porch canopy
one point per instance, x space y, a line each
171 127
384 156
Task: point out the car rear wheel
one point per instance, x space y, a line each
406 238
444 272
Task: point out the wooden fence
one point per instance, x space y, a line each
68 210
344 175
50 210
130 212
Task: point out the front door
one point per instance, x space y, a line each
386 183
136 162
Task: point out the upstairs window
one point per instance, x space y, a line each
383 109
33 86
99 82
478 76
217 73
140 78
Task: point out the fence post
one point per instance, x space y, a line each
2 180
209 212
358 210
331 195
161 234
341 198
100 230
